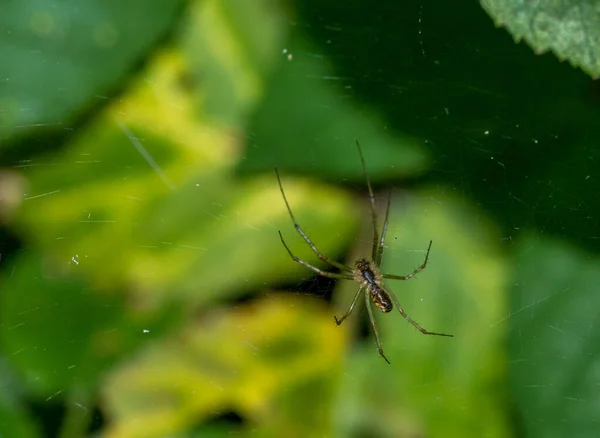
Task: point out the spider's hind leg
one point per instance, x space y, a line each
412 321
372 319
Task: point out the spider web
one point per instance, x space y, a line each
144 288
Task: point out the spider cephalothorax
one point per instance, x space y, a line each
365 272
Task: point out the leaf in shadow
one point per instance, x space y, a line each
555 338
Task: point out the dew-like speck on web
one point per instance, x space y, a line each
75 260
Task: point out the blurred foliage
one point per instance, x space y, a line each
555 371
322 112
442 386
233 360
141 270
52 52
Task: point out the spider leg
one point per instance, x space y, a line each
409 319
413 273
347 314
374 250
372 319
384 230
314 268
300 231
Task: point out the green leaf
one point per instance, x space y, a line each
58 331
59 58
231 54
555 339
15 421
307 122
569 28
435 386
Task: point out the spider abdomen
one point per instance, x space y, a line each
381 299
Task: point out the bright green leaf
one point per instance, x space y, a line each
232 47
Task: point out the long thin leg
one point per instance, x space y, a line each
338 265
372 319
314 268
347 314
413 273
384 230
373 209
409 319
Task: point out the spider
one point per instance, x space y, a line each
365 272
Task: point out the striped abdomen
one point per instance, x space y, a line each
380 298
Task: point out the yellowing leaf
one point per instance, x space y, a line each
256 360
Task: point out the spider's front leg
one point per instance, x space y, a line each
314 268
